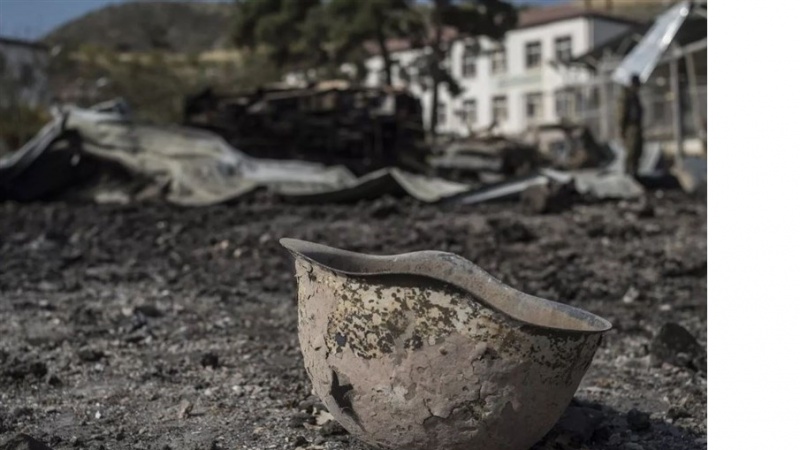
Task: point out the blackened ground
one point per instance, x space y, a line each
153 327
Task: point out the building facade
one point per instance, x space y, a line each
513 85
23 77
673 94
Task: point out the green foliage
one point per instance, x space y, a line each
468 19
292 31
356 23
154 83
322 35
18 124
490 18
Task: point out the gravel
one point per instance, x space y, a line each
114 315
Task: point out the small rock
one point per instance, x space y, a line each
676 413
602 434
675 345
307 405
383 209
580 422
148 311
700 362
630 296
535 198
646 210
24 442
631 446
210 360
90 355
298 420
300 441
637 420
332 428
20 370
23 411
184 409
511 231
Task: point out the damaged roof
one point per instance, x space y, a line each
526 18
684 23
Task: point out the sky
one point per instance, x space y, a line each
32 19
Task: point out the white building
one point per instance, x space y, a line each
515 83
23 78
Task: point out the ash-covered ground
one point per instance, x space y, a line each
149 326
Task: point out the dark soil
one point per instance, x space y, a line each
153 327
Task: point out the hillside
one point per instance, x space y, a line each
142 26
186 27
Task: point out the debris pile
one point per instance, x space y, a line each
363 129
322 144
213 280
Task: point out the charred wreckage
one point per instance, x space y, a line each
324 143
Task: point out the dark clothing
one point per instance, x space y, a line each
630 116
634 144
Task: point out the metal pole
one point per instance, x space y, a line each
691 71
677 109
605 126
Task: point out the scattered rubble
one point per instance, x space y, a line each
104 155
589 254
638 420
580 423
674 344
185 408
210 360
90 355
24 442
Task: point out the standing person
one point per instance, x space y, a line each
630 124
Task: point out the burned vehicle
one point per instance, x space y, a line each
332 123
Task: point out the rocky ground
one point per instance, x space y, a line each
153 327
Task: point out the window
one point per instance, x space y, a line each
564 103
533 54
499 109
564 48
470 113
441 114
499 60
533 105
468 62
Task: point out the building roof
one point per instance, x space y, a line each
526 18
22 43
692 30
534 17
